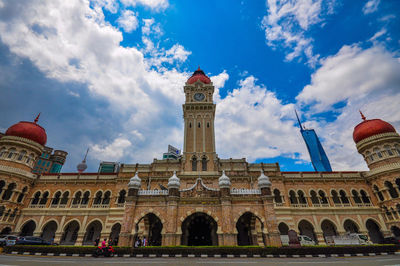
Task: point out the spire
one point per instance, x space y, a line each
37 118
298 119
198 68
84 159
362 115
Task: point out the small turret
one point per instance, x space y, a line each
224 184
173 185
134 185
264 184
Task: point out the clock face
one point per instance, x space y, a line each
199 97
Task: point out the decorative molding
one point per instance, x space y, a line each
13 170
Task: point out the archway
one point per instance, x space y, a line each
329 230
70 233
283 229
395 231
150 226
114 235
249 229
199 229
28 228
93 231
374 232
5 231
350 226
307 229
49 231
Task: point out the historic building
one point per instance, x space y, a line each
198 198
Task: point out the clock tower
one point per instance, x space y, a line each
198 113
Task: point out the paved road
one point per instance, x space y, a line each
40 260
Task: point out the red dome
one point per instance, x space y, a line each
28 130
368 128
199 75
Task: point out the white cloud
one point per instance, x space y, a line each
287 22
152 4
378 34
128 21
111 152
371 6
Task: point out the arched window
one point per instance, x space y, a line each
397 181
14 213
190 125
397 147
2 151
343 197
97 199
392 191
56 198
369 155
30 158
21 155
106 199
204 164
277 196
2 209
85 199
302 198
388 213
377 151
292 197
8 193
21 196
36 198
388 150
379 193
322 196
198 125
314 197
77 198
356 197
335 197
194 164
364 196
44 198
121 197
64 199
2 184
11 153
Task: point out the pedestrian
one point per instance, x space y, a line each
96 242
144 241
110 242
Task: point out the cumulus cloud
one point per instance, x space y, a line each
128 21
111 152
371 6
287 23
152 4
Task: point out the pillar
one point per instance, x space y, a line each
171 237
228 236
273 238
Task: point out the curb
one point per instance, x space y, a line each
214 256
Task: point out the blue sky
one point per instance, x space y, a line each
109 74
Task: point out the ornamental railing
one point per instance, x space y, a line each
152 192
243 191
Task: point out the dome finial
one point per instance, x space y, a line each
198 68
362 115
37 118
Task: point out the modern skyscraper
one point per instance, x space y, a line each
318 156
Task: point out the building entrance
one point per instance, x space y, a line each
199 229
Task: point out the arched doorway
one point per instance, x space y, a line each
350 226
70 233
5 231
374 232
28 228
114 235
249 229
49 231
307 229
199 229
329 230
283 229
93 231
395 231
150 226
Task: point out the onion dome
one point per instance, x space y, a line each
224 181
368 128
135 182
199 75
28 130
174 182
263 181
